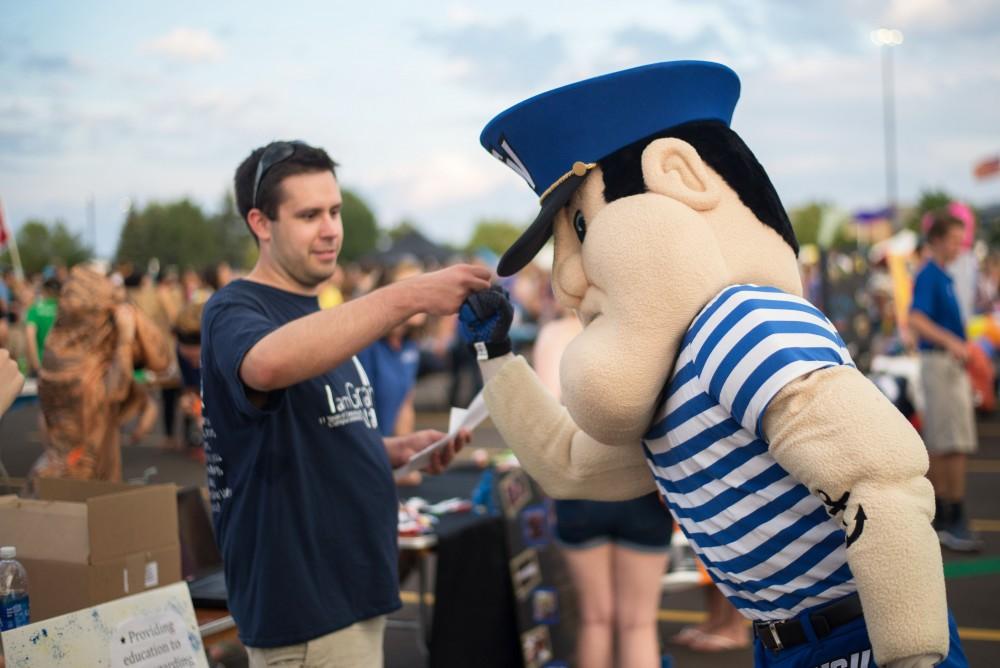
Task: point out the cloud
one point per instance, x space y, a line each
47 63
26 141
463 15
808 79
186 44
442 178
810 27
744 38
15 110
643 45
944 16
747 35
501 55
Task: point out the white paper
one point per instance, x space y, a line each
152 576
460 418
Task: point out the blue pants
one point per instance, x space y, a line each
847 646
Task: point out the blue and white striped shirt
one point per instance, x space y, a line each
767 542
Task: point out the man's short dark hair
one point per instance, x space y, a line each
305 159
52 285
133 279
942 223
723 151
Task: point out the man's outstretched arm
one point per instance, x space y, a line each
310 346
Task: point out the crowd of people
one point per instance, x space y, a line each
108 350
171 302
118 350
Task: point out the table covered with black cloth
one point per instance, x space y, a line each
474 620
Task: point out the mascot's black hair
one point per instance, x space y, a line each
724 151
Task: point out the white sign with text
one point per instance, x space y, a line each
154 629
153 641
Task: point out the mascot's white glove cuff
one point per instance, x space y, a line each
491 367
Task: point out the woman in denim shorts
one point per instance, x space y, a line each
616 551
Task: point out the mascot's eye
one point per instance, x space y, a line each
580 225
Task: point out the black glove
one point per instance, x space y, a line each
484 322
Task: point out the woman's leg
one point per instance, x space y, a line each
591 572
637 601
168 401
729 629
715 613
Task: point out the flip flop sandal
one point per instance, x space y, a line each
686 635
711 642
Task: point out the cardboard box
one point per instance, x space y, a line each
85 543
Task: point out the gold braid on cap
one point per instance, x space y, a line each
579 169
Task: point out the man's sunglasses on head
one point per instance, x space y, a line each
275 152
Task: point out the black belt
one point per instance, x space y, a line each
777 636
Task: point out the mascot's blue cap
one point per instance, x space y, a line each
553 139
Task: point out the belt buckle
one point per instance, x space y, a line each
773 628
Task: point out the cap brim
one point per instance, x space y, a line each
531 241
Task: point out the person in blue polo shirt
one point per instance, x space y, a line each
300 480
949 428
392 363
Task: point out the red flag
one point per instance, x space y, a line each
987 167
4 235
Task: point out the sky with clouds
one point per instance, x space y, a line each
134 101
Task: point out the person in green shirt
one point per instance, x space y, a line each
39 318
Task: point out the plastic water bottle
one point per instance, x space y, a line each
14 609
483 497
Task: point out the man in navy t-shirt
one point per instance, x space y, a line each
300 479
949 428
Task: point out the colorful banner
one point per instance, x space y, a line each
987 168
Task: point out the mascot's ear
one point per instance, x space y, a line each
672 167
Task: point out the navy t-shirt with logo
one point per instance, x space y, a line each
303 500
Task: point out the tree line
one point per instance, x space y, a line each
181 234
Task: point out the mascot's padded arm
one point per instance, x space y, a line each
566 462
836 433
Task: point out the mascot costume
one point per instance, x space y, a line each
702 373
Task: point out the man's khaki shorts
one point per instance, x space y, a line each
357 646
949 417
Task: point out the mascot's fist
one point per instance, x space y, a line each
484 321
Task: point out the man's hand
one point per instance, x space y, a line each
927 329
442 292
401 448
11 381
958 349
485 319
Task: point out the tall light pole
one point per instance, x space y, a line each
887 38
